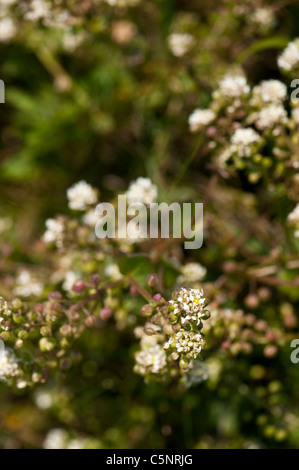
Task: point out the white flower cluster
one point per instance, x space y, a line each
150 359
55 232
289 58
233 86
186 342
37 10
27 286
200 118
81 195
8 366
189 305
243 141
269 91
271 116
192 272
180 43
263 17
196 373
293 219
142 191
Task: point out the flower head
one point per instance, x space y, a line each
188 306
289 58
81 195
200 118
142 191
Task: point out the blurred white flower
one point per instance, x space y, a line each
27 286
289 58
142 191
180 43
70 278
271 116
81 195
192 272
8 29
233 86
269 91
200 118
54 232
242 141
112 271
55 439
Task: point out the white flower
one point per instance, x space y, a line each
81 195
54 232
43 399
289 58
242 141
186 342
180 43
90 218
8 365
150 359
70 278
271 116
142 191
112 271
200 118
233 86
72 41
189 305
27 286
55 439
192 272
38 9
263 17
8 29
269 91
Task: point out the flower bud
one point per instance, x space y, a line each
47 344
152 280
79 286
146 310
66 330
90 321
55 295
95 279
106 313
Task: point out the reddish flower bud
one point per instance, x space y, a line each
79 286
106 313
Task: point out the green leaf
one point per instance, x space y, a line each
276 42
138 267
